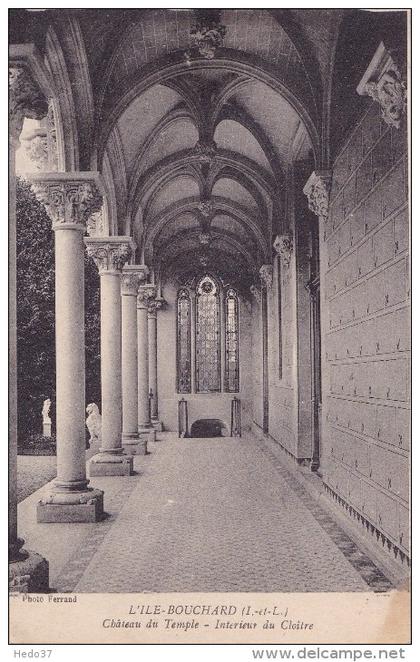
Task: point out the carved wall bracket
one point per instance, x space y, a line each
384 83
283 245
266 275
208 34
317 190
256 292
25 99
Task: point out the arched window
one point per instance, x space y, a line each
211 343
183 342
207 336
231 342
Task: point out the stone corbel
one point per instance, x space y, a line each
133 276
29 87
25 99
384 83
110 254
283 245
69 198
266 275
317 190
256 292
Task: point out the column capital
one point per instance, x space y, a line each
256 292
154 305
317 190
383 82
70 198
145 295
133 275
266 275
25 99
283 245
110 253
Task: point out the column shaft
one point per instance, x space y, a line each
153 381
70 358
129 367
111 362
143 367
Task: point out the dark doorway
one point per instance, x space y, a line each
207 427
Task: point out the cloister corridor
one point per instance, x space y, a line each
204 515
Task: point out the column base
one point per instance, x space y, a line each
158 425
86 506
133 444
107 464
29 574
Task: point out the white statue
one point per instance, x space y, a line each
46 420
94 423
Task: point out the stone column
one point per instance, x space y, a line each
28 572
110 254
70 199
145 295
266 275
154 305
132 277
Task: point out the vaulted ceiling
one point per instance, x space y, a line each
196 152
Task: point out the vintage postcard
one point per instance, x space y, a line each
209 311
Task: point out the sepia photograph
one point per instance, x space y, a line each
209 325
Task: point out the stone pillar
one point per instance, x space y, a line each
110 254
132 277
28 572
145 295
154 305
70 198
266 275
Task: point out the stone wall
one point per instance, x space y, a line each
366 346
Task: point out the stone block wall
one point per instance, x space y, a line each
367 342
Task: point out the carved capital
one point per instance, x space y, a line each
317 190
266 275
69 198
154 305
256 292
384 83
283 245
25 99
145 295
110 254
133 276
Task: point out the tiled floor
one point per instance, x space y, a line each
214 515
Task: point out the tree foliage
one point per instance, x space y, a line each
36 315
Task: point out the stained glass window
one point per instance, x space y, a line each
207 337
184 341
231 343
